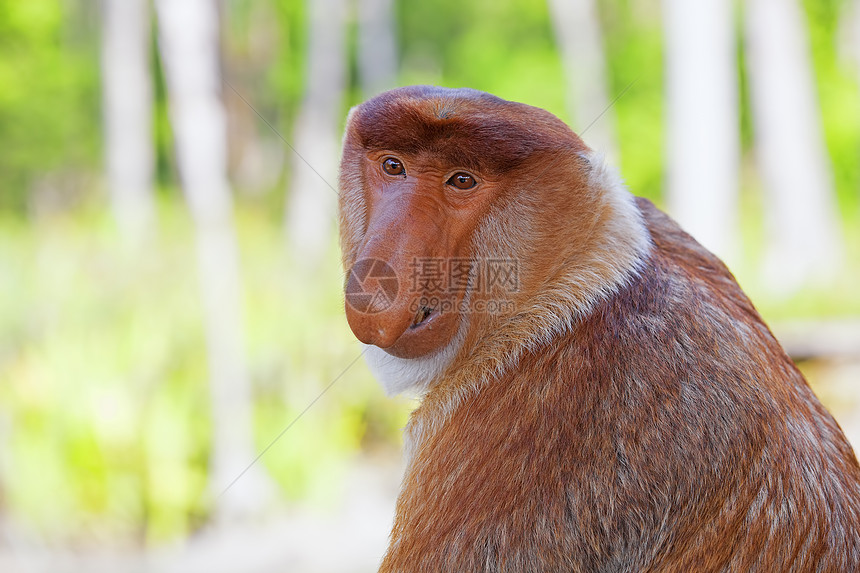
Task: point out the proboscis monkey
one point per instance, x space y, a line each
598 392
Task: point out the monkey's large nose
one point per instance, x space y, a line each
377 308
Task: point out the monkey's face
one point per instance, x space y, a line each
421 169
405 290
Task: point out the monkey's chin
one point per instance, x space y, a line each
432 333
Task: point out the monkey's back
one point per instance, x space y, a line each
668 431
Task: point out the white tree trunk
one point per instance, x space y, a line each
803 238
851 25
377 46
849 31
189 41
578 33
127 108
703 136
313 187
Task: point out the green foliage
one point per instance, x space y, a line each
838 94
505 48
49 114
634 56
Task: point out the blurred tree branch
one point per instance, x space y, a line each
313 187
703 121
189 42
127 109
803 239
579 37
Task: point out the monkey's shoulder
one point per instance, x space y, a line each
682 334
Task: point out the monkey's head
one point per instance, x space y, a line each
442 192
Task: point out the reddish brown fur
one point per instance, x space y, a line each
646 439
654 425
499 138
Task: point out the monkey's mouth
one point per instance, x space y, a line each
430 327
422 316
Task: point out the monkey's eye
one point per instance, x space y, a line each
462 181
393 166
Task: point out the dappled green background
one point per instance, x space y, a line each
104 427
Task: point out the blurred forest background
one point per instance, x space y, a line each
170 287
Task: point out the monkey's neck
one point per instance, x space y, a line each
589 263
